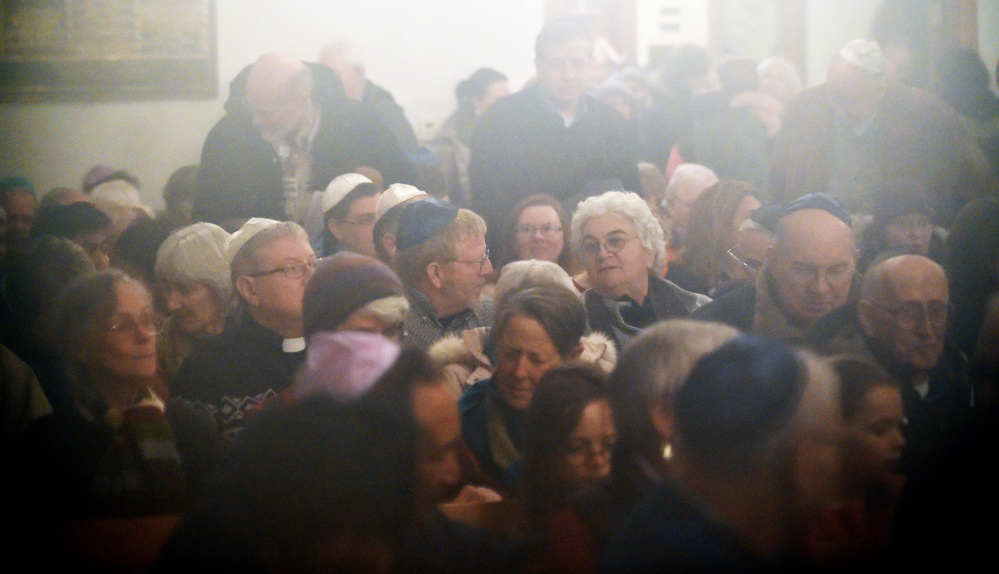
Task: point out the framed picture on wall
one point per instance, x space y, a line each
107 50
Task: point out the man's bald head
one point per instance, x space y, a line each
903 309
812 263
277 93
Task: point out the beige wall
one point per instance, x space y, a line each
418 49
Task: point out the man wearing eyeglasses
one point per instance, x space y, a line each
443 261
809 273
902 312
255 356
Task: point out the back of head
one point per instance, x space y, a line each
558 310
180 186
737 75
344 500
36 278
71 221
530 273
135 249
739 413
689 179
652 369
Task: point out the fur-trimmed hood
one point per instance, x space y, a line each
464 361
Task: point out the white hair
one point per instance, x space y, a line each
785 69
390 310
194 254
120 201
864 54
530 273
690 176
630 206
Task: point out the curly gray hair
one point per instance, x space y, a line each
630 206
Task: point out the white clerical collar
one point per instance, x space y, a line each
293 345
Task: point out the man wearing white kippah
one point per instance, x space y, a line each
858 131
254 358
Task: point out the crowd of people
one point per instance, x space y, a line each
747 328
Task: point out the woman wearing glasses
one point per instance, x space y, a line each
568 438
536 229
621 245
118 451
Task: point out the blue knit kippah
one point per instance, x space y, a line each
422 220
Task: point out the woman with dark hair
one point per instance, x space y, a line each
860 528
568 437
902 224
536 229
451 144
715 218
119 451
533 330
348 207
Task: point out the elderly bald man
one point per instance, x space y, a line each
289 131
899 321
856 132
808 274
903 311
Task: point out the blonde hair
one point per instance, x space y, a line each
412 263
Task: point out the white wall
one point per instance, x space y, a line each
828 25
988 34
418 49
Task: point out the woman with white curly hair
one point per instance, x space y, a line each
620 243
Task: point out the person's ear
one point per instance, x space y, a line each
435 273
663 420
334 226
247 288
865 314
388 243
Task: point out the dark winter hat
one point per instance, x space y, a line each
342 284
902 197
422 220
